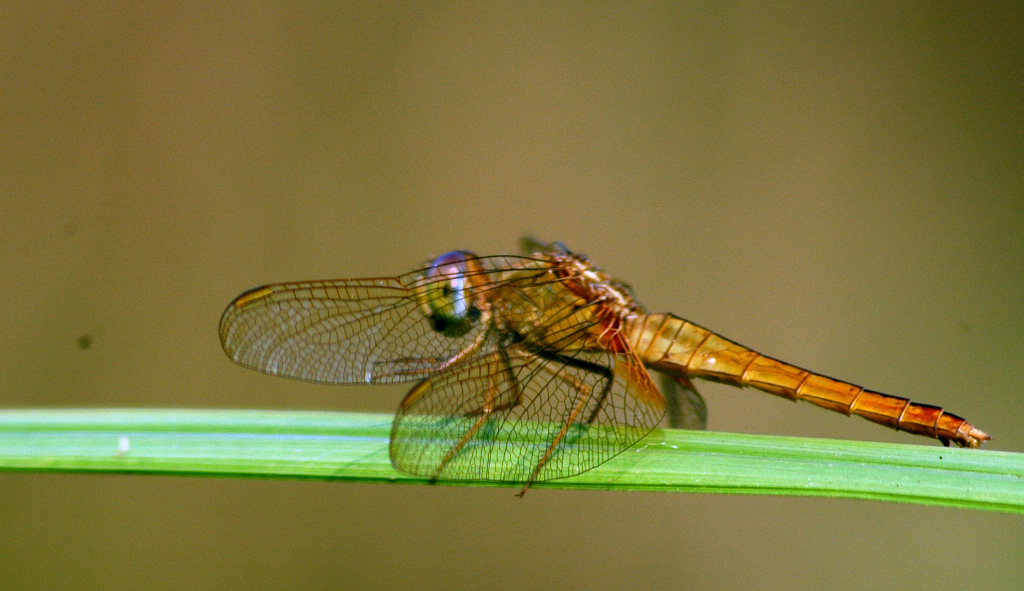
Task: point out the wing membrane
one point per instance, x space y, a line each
501 416
352 331
686 408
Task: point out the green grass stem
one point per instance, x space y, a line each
354 447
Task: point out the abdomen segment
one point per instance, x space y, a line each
679 347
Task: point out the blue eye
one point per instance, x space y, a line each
447 296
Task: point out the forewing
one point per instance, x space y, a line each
566 413
338 332
355 331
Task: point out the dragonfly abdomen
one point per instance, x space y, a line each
678 347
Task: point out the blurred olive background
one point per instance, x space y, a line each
839 186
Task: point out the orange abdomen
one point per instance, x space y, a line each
678 347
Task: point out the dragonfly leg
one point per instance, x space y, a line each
557 370
581 402
485 411
464 353
585 395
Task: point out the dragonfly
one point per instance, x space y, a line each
528 368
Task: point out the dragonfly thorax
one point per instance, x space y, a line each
594 285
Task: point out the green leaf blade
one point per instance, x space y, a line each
354 447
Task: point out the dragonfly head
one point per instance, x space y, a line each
446 295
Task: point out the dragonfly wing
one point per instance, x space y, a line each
529 245
686 408
340 332
519 416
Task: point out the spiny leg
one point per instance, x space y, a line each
577 409
485 411
584 396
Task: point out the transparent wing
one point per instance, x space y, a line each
518 416
353 330
686 408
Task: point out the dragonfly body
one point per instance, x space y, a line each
528 368
678 347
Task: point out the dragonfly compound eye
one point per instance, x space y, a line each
447 295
